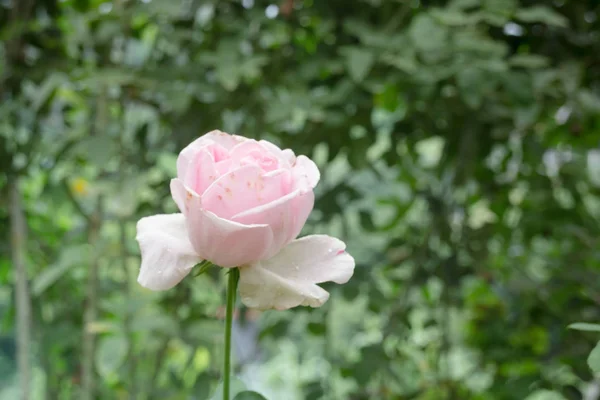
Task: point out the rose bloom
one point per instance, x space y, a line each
243 203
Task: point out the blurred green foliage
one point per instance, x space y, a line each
458 145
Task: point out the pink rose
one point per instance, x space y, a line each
242 204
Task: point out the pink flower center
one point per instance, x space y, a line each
266 162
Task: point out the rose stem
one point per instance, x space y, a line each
231 289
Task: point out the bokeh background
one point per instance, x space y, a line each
458 143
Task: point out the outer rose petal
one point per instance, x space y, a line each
289 155
289 278
305 172
167 254
179 191
222 242
302 207
285 216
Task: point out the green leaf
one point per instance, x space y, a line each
204 14
452 17
500 8
430 151
251 68
48 277
464 4
594 359
46 88
471 82
405 63
232 120
107 77
542 14
111 354
99 150
544 394
236 386
228 76
249 395
202 267
167 162
154 322
585 326
69 257
529 61
359 63
426 34
589 101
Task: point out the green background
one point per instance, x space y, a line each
458 146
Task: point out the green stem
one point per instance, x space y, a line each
231 290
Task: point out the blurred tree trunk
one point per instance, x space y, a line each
91 311
94 221
23 300
20 13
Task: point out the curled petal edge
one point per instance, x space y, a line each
289 279
167 254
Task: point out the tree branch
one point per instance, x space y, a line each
23 299
90 314
91 307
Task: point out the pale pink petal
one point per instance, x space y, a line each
302 206
290 278
289 156
223 166
286 157
179 191
244 148
243 189
285 216
252 152
223 139
273 148
224 243
167 254
305 173
201 172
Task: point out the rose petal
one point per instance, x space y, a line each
286 157
305 173
179 191
253 152
285 216
244 148
224 243
201 172
243 189
302 206
167 254
289 278
289 155
223 167
223 139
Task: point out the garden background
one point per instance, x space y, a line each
458 143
